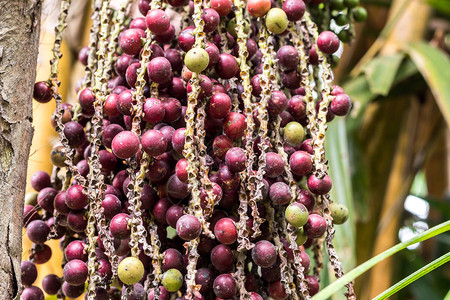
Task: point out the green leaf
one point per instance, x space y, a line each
381 72
442 6
338 284
359 91
414 276
405 71
336 147
447 297
434 65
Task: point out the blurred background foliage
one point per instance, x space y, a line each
389 160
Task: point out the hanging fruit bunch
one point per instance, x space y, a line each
193 164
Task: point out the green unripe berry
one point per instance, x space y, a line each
31 198
338 212
172 280
130 270
337 4
351 3
196 60
296 214
344 36
359 14
276 20
294 134
231 27
334 61
341 20
301 237
57 156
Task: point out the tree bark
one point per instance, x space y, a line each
19 37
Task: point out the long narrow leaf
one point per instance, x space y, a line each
338 284
381 72
434 65
447 297
414 276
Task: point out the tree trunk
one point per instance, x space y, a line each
19 36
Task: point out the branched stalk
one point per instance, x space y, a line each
190 152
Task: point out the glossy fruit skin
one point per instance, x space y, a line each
75 272
153 142
32 293
130 270
280 193
204 278
294 9
176 188
51 284
37 231
300 163
119 226
125 144
211 18
277 291
235 159
313 285
224 286
172 260
43 254
42 92
221 145
196 60
294 134
328 42
319 186
288 57
74 132
277 103
109 132
276 21
341 105
274 165
223 7
174 213
296 214
76 220
222 258
264 254
40 180
258 8
225 231
57 156
181 170
72 291
219 106
75 250
75 198
159 70
188 227
315 227
157 21
130 41
227 66
172 108
359 14
111 206
255 296
28 272
29 214
339 213
172 280
234 125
